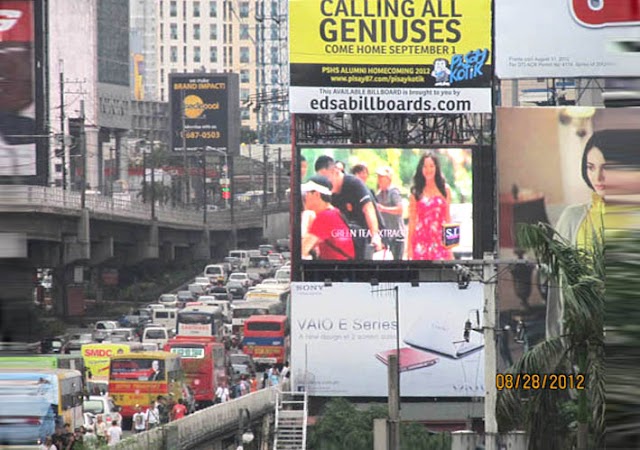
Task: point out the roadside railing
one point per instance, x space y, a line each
14 197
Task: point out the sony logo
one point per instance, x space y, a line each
309 287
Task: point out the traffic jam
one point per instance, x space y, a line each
220 336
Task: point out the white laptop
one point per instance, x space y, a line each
443 339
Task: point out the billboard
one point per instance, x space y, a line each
586 38
556 166
418 201
205 112
343 351
18 128
390 57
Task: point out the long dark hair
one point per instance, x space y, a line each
617 147
419 181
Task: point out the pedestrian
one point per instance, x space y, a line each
265 380
90 438
285 370
139 421
76 441
152 416
101 429
48 444
114 434
222 394
274 379
253 383
286 382
163 410
179 410
115 415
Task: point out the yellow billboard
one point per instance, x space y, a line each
437 48
97 359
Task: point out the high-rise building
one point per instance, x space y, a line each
214 36
144 51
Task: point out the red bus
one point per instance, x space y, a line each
266 339
203 361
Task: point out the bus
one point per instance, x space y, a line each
203 362
281 293
36 401
98 356
201 320
138 379
266 339
240 311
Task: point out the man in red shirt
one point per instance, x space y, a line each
179 410
328 234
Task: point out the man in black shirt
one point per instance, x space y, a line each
352 198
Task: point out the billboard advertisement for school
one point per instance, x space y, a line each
342 336
567 38
205 114
557 166
386 204
399 56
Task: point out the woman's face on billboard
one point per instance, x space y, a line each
429 169
595 170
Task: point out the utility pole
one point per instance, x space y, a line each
489 319
185 162
62 136
279 190
394 403
204 186
153 182
83 158
265 174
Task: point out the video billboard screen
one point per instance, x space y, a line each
17 85
344 351
385 204
205 112
557 166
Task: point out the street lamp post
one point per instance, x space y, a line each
225 171
204 186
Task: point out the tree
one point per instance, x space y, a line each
342 425
555 419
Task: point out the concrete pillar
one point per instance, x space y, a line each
78 248
514 440
147 248
464 440
202 250
102 250
17 278
91 136
167 251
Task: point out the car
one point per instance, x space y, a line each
168 300
282 245
156 335
131 320
184 297
102 329
276 260
252 253
260 265
240 364
265 249
255 278
212 274
76 341
237 289
94 405
233 262
241 277
51 345
283 274
122 335
220 292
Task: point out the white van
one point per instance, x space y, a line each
225 305
243 256
214 273
167 317
155 335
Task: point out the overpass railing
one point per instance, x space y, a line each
53 199
215 421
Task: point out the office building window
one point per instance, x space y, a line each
161 54
213 32
275 79
275 117
275 35
174 54
196 9
196 54
184 54
244 10
275 55
244 76
244 114
244 95
161 31
230 34
224 34
231 56
161 75
224 56
213 9
184 32
274 10
244 31
173 9
161 8
213 54
174 31
244 55
196 31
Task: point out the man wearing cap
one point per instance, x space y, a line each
352 197
328 232
390 206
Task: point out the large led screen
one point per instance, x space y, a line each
385 204
344 351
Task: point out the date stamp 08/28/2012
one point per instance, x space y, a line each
540 381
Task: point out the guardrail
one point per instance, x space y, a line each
206 424
51 199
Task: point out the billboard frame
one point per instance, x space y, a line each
484 212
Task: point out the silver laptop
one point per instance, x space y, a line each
443 339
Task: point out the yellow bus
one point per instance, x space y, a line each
138 379
97 358
61 389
